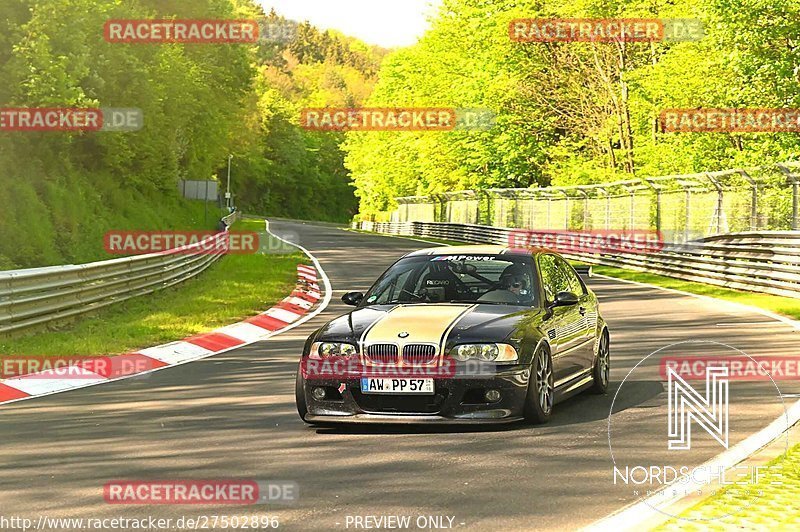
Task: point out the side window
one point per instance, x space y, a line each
553 277
392 286
572 279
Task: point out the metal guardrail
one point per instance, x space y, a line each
766 261
40 296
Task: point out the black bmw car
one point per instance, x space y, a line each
460 334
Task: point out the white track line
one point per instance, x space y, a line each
328 290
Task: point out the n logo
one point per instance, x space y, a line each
709 411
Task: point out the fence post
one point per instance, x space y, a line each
585 208
440 207
515 211
754 209
205 205
485 208
566 207
753 200
793 179
658 210
568 212
657 193
604 192
720 211
632 217
688 214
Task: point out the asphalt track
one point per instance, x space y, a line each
233 416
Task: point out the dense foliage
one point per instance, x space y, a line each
572 113
566 112
61 191
283 169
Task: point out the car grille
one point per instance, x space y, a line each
405 404
419 354
382 353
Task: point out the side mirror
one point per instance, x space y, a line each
352 298
565 299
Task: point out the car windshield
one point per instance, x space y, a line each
492 279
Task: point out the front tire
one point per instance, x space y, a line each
601 371
300 395
539 399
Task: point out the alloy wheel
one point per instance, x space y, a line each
603 359
544 382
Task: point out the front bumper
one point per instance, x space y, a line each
456 400
379 419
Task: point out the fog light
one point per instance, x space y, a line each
492 396
318 393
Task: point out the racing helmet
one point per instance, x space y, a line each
515 276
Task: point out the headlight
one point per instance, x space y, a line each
485 352
331 349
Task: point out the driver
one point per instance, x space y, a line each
513 282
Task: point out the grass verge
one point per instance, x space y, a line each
235 287
785 306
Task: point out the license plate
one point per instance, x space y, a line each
397 386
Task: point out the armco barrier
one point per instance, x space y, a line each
767 262
83 372
39 296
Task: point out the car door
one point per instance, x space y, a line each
565 328
587 309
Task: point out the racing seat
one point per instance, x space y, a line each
440 286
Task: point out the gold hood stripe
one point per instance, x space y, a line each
425 324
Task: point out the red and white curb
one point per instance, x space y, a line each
287 314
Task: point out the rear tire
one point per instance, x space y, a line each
539 399
300 395
601 371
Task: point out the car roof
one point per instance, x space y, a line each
472 249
